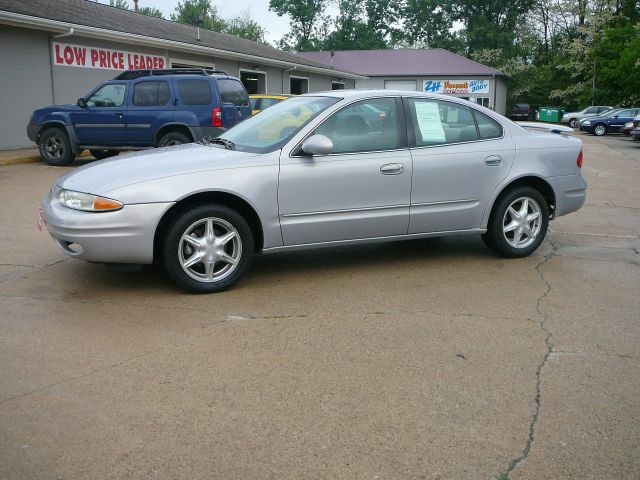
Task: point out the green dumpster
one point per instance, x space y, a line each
551 114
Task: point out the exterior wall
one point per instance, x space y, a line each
70 83
319 83
497 87
349 84
25 82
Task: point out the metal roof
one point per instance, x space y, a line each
402 62
131 24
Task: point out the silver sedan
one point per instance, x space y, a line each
317 170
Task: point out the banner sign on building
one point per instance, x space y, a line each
103 58
456 86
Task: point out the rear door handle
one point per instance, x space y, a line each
392 169
493 160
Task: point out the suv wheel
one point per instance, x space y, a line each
573 123
173 138
599 130
55 148
518 223
100 154
207 248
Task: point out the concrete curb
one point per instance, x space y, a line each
31 158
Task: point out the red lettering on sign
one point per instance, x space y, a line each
121 61
94 57
68 55
103 59
59 59
161 62
81 55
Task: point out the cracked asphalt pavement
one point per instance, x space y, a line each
427 359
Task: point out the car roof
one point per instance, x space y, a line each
271 95
356 94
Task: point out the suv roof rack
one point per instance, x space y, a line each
133 74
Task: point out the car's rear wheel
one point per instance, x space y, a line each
207 248
518 223
573 123
100 154
173 138
600 129
55 148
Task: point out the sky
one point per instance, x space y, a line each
276 26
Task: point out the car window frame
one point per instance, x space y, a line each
106 84
296 152
246 98
411 127
213 91
157 106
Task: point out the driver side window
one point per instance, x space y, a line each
111 95
365 126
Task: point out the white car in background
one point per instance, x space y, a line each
573 119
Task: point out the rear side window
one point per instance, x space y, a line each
437 122
232 91
195 92
151 94
487 126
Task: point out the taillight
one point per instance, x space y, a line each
216 117
579 161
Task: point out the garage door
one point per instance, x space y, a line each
400 85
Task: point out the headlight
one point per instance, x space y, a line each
87 202
586 122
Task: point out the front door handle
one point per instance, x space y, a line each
493 160
392 169
119 114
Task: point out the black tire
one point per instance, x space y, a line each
100 154
599 130
500 241
573 123
55 147
173 138
193 221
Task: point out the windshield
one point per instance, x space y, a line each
270 129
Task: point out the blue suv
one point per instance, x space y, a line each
140 109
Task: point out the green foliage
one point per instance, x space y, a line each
244 26
150 12
122 4
306 19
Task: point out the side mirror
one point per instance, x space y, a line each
317 145
82 102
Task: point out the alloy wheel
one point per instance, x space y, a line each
522 222
54 147
210 249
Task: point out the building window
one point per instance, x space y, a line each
298 85
336 85
484 101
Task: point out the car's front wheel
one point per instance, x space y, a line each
100 154
573 123
600 129
207 248
55 148
518 223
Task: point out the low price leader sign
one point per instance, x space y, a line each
104 58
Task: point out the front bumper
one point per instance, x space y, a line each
570 191
124 236
586 128
635 133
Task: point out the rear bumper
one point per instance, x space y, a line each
570 191
124 236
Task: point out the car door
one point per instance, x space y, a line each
459 157
234 102
361 190
103 120
150 107
618 120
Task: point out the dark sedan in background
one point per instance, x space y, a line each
611 122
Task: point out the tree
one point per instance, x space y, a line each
244 26
429 24
192 10
306 18
150 12
122 4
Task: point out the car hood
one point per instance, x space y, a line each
105 175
